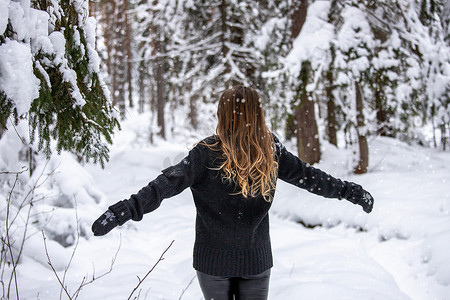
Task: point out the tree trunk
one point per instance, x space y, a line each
331 123
308 144
93 9
112 51
331 104
107 12
129 54
31 158
158 76
380 103
119 55
331 120
298 17
307 132
160 94
4 115
142 87
193 114
444 137
363 163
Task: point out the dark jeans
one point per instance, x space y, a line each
251 287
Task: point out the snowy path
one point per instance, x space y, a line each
324 262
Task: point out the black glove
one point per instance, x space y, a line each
116 214
105 223
357 195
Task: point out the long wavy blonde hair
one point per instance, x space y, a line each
247 145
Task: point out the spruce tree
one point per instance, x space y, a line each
383 19
354 67
437 69
273 41
72 107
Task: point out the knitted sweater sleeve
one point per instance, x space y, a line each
171 182
294 171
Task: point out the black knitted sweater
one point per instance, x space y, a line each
232 232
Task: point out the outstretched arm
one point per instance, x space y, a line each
171 182
294 171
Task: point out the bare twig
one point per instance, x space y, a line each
139 294
84 282
22 243
24 169
53 269
146 293
7 243
148 273
185 289
10 244
3 263
8 239
74 248
31 191
17 132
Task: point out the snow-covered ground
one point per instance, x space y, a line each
399 251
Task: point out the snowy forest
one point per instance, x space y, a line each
97 97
